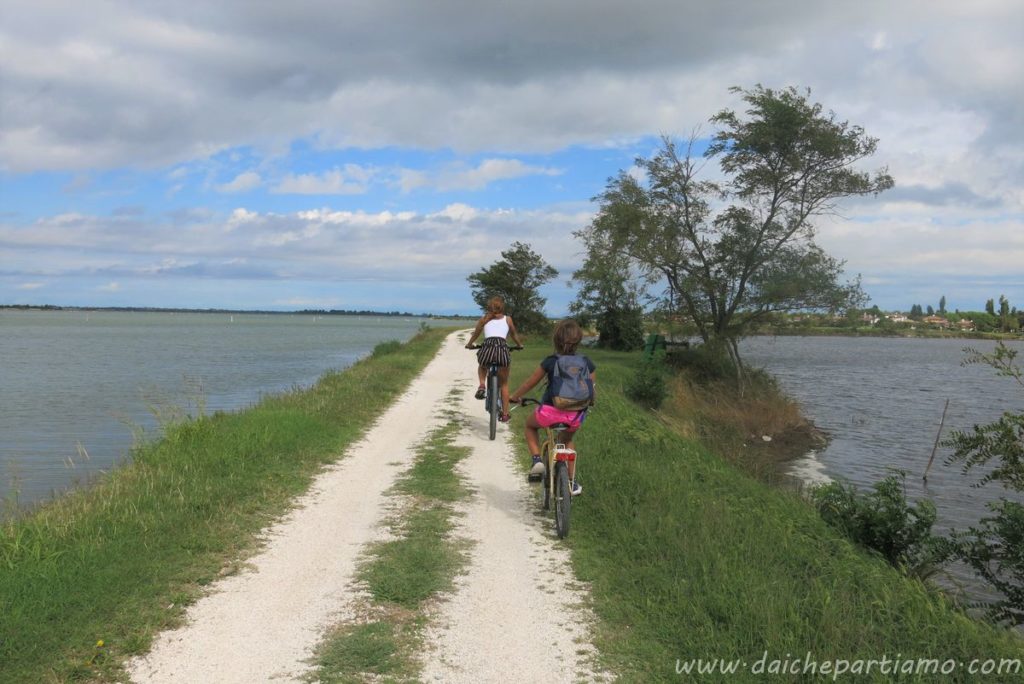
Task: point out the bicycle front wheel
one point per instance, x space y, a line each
563 499
493 403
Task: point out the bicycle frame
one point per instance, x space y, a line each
558 460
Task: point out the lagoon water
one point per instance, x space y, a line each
881 402
74 384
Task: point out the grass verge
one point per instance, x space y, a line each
403 574
118 562
689 557
758 429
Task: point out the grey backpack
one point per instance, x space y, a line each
572 388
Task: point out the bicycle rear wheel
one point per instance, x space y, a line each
493 402
563 499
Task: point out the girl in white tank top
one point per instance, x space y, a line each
496 327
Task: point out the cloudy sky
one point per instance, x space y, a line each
347 154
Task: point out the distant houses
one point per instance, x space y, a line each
939 321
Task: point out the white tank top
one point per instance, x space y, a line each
497 327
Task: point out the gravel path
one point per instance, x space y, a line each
515 615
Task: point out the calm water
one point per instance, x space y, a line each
74 383
881 401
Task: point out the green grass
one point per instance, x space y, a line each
372 648
119 561
688 557
403 574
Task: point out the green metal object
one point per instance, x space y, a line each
654 342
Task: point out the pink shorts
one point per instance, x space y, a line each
548 415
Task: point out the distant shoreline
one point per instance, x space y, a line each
157 309
923 333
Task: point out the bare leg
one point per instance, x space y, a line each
481 373
532 442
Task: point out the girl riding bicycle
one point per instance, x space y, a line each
567 337
496 326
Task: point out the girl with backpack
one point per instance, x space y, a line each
496 326
569 393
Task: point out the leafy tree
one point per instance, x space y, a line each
990 307
516 277
983 322
942 305
931 311
1005 322
995 549
609 297
735 252
915 311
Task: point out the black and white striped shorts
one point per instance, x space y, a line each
494 350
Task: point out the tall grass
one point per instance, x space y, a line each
690 557
118 561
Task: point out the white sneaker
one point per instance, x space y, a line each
537 471
576 489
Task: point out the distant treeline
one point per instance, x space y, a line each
316 312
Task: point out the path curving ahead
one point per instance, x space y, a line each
515 615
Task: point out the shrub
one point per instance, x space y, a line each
648 386
389 347
884 522
995 549
704 362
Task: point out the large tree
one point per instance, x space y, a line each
609 297
734 251
516 277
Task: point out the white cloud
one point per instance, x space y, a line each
109 287
459 176
457 212
243 182
241 216
320 244
353 180
30 286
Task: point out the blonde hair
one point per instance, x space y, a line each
495 307
567 337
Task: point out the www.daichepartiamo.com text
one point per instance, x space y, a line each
834 668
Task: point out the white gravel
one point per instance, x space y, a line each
516 615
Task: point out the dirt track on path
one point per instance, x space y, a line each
515 615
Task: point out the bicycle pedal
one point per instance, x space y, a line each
534 478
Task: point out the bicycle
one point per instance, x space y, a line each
556 458
492 393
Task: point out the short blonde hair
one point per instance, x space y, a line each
567 337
